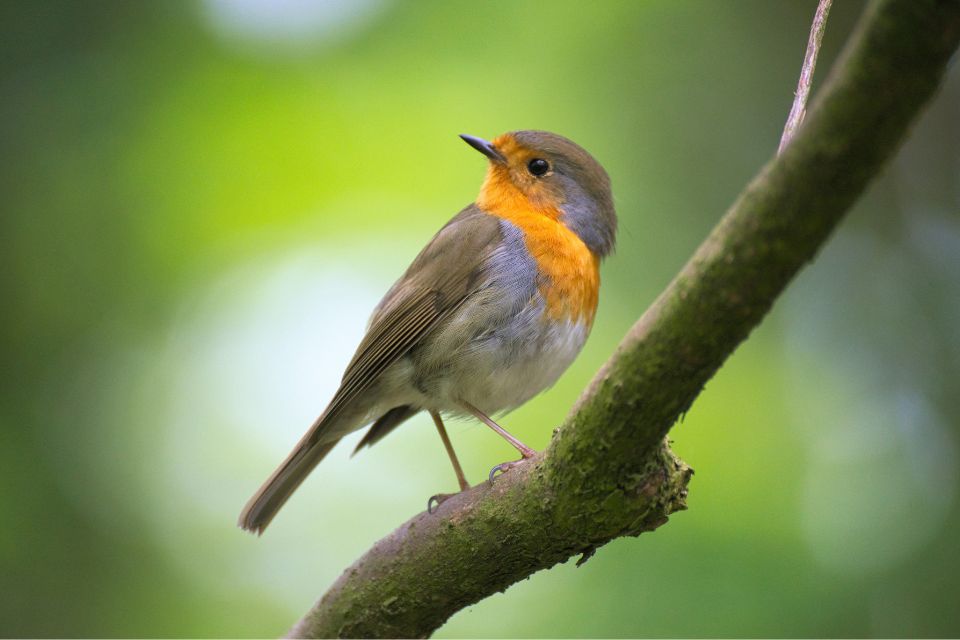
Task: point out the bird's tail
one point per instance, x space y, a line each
266 502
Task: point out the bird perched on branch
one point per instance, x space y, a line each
489 314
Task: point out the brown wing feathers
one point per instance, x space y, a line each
429 292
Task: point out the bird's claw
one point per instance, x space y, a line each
503 467
439 498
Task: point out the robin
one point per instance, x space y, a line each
488 315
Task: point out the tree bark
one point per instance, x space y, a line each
608 471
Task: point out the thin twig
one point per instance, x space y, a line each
799 109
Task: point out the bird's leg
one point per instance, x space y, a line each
457 469
524 450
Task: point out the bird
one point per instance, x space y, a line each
489 314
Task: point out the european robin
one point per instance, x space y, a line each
488 315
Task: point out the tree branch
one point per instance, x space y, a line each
799 109
608 472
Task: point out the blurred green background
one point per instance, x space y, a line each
202 201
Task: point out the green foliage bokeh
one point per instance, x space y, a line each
201 203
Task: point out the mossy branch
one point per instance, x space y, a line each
608 471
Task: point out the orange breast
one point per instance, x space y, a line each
571 283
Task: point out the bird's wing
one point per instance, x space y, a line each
384 425
441 277
445 273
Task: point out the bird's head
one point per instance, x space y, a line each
551 175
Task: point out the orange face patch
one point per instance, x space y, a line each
571 272
511 186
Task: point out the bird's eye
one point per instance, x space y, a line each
538 166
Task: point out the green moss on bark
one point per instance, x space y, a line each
481 542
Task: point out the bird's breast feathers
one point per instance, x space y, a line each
567 272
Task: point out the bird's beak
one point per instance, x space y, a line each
485 148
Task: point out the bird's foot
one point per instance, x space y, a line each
439 499
503 467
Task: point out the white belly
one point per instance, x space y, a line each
494 383
496 366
